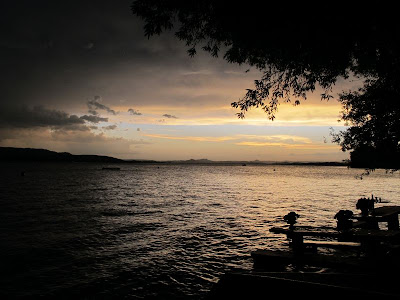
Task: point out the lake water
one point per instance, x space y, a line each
157 231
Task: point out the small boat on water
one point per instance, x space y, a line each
356 258
111 168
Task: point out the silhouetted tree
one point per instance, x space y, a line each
297 48
374 114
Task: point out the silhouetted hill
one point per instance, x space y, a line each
29 154
194 161
205 161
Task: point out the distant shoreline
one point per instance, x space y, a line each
12 154
253 163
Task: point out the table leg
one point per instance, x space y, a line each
393 222
297 243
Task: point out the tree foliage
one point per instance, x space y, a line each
374 114
298 48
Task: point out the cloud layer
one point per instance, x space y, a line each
87 79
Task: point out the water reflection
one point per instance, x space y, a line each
74 229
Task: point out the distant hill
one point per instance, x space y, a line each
193 161
205 161
29 154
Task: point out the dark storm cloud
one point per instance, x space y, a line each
53 51
170 116
23 116
39 116
61 53
93 105
134 112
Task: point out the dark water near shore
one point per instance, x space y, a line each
155 231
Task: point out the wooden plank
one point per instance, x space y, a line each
380 213
331 244
386 210
359 224
355 233
375 234
307 231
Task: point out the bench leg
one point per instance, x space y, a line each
297 243
393 222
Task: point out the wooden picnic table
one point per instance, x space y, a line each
368 239
377 246
388 214
354 233
365 233
298 233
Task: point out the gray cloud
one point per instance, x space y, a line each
93 112
93 119
134 112
170 116
110 127
94 104
23 116
39 116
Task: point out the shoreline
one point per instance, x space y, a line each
10 154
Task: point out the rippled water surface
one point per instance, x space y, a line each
162 231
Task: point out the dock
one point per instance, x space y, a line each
243 284
357 258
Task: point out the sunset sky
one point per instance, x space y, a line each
82 78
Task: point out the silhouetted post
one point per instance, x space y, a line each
297 239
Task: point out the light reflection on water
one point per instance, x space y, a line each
157 230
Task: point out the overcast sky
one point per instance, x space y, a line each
79 76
